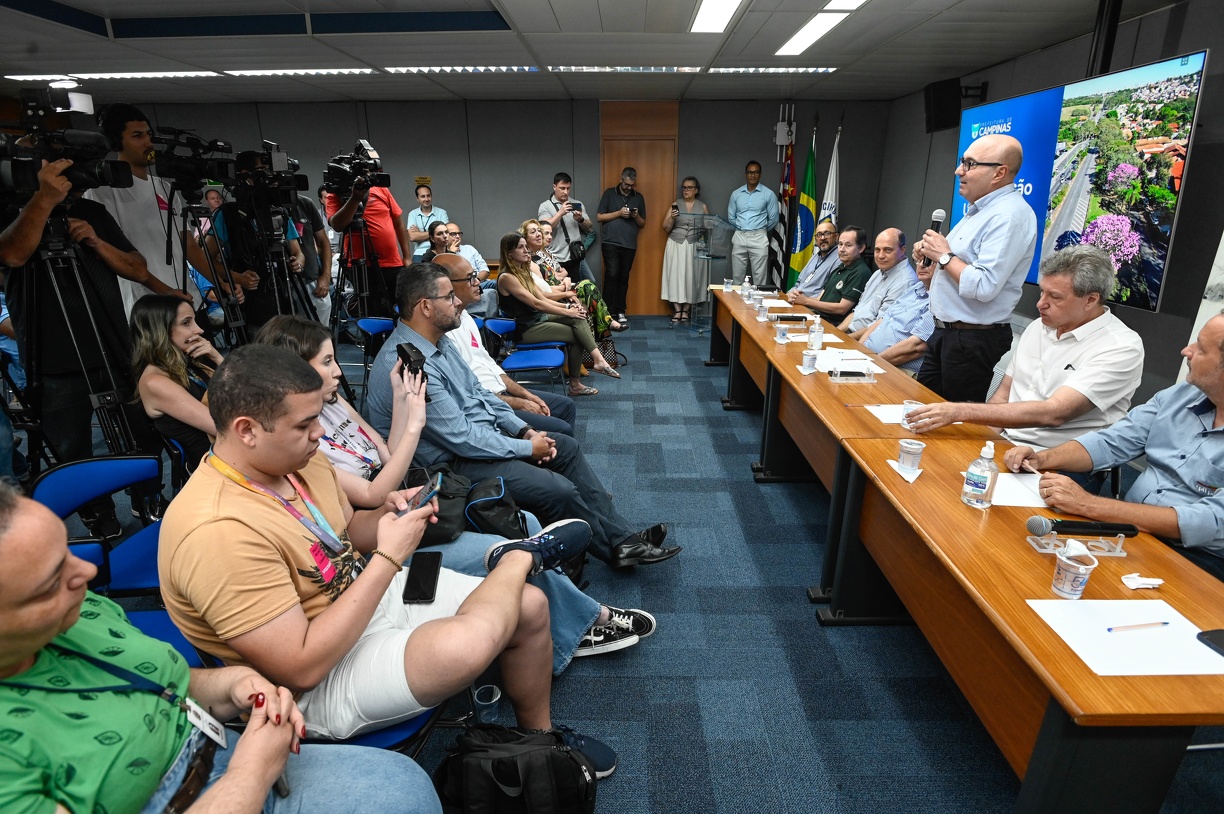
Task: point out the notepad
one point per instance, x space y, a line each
1171 650
886 413
776 304
1018 489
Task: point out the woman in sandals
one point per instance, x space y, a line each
529 300
681 284
588 293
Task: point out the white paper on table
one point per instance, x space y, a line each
804 372
770 303
886 413
1018 489
910 475
1171 650
827 360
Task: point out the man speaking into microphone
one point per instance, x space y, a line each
1180 496
981 266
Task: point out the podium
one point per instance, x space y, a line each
714 234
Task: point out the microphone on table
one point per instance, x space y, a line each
1041 526
937 219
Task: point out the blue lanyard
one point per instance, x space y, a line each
134 681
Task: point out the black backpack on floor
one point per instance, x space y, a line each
495 770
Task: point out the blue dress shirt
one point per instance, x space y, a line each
997 238
757 209
909 316
814 275
462 419
1185 460
881 292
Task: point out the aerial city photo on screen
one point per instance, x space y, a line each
1118 164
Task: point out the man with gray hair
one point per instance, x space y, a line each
1075 368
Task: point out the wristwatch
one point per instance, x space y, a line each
945 259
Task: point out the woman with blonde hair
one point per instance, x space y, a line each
542 319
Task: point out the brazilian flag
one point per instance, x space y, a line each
803 243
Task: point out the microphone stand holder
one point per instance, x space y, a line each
1052 543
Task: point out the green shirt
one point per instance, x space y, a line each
92 752
846 282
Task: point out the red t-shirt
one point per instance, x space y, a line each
380 208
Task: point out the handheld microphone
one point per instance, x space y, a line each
937 219
1041 526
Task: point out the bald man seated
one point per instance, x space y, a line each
893 277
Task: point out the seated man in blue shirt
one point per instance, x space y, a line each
480 437
900 335
1180 496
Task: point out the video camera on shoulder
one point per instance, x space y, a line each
188 161
360 169
42 113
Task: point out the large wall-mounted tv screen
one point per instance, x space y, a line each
1104 161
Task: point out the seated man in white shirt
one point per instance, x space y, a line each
546 412
486 305
1075 368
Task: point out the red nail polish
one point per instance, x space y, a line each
259 700
277 721
297 749
303 730
251 697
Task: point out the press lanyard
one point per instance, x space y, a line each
135 681
319 526
343 448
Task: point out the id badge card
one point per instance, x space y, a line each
202 720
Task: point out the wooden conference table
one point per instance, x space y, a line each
1077 740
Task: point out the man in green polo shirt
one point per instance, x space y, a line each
845 285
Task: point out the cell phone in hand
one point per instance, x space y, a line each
414 361
576 206
426 494
421 584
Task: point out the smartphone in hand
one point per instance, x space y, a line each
426 494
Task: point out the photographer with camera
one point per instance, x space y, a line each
141 210
71 328
317 250
361 207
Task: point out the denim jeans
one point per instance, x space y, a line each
13 464
379 780
571 611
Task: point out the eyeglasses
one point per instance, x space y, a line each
752 172
455 234
688 186
471 279
969 163
450 295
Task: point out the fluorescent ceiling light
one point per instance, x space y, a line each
465 69
303 72
714 15
843 5
623 69
145 75
772 70
65 84
38 77
816 28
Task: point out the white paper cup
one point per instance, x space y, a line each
1071 574
909 456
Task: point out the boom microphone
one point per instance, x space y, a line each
937 219
1041 526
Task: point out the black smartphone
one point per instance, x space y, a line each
426 494
422 581
414 361
576 206
1213 639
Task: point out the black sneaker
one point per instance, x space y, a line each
633 619
104 524
602 757
555 544
606 639
157 507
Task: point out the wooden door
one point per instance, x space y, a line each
643 135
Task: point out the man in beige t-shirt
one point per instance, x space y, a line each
248 581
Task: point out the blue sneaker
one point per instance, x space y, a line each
554 545
601 755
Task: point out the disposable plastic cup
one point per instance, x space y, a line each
780 331
809 361
728 284
909 456
487 698
1071 574
907 407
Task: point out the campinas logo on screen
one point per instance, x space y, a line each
991 127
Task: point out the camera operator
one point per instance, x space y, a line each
240 232
141 210
317 250
385 228
66 372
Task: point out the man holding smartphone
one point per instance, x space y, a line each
569 223
622 211
264 562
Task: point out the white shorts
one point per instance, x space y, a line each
368 690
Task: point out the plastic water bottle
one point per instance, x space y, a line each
980 479
815 335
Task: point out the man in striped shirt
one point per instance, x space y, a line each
900 336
